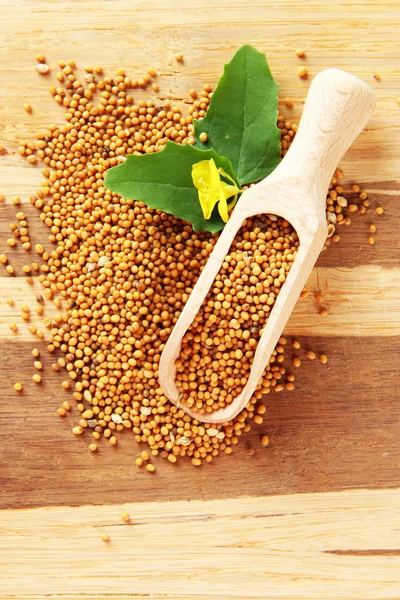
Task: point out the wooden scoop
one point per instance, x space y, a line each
337 108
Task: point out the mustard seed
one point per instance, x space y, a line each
125 517
300 53
36 378
18 387
265 440
302 72
323 359
125 272
150 468
92 447
203 137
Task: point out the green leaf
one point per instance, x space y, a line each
163 180
241 120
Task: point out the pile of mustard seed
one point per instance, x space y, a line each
218 349
120 273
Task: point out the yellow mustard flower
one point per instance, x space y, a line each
212 190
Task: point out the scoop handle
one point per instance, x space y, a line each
337 108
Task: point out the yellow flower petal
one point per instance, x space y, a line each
223 207
208 199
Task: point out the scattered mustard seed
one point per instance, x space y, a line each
265 440
302 72
323 359
27 107
42 68
203 137
150 468
18 387
379 210
125 517
300 53
105 537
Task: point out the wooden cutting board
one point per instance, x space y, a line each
316 514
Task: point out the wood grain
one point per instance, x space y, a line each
362 301
330 545
339 429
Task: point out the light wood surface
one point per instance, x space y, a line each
338 430
302 546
